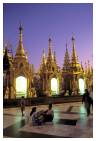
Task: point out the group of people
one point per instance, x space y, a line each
42 116
39 117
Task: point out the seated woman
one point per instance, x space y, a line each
37 118
48 114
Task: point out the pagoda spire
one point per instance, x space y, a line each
74 56
86 68
49 59
54 57
20 50
20 31
44 57
82 66
66 65
66 59
50 47
89 67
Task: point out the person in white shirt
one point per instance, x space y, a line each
48 114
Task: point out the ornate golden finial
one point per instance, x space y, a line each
66 48
73 37
86 70
20 27
20 50
50 43
66 53
82 66
89 68
74 56
50 49
44 57
20 32
54 56
66 64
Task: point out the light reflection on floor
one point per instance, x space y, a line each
66 111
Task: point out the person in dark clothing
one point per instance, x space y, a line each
91 96
33 113
48 114
37 117
22 104
91 102
87 101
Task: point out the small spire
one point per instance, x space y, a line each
54 56
20 50
66 47
82 66
44 57
20 28
86 70
43 52
20 32
89 68
66 64
74 56
50 50
73 37
50 43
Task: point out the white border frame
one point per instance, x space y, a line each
1 64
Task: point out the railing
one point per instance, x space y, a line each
42 100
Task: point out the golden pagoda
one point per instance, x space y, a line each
89 76
72 71
50 73
21 73
20 79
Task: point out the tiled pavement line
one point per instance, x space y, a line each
6 114
33 135
12 131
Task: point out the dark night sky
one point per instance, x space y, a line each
58 21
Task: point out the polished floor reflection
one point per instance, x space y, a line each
70 121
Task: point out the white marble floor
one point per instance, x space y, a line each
70 120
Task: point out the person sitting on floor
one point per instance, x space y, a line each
48 114
37 118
